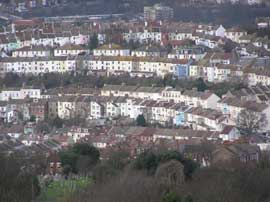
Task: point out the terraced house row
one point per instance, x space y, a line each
165 106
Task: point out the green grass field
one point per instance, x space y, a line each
58 190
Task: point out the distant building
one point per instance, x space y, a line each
242 152
158 12
25 5
111 50
21 7
263 22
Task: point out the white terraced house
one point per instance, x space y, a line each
205 119
38 65
192 98
143 37
16 94
258 76
180 35
111 50
232 106
132 65
70 50
235 34
32 51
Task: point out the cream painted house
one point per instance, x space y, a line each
70 50
111 50
235 34
37 65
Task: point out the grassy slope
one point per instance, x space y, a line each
58 190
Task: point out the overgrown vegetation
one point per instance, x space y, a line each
62 189
81 158
18 182
155 177
149 161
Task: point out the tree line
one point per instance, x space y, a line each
166 176
157 175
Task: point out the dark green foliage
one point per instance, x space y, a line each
200 85
171 197
93 43
229 46
133 44
67 169
141 121
57 122
43 127
11 80
169 80
50 80
147 161
189 168
32 119
188 198
174 197
84 149
230 182
81 158
222 88
68 160
150 160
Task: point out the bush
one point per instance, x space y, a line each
81 158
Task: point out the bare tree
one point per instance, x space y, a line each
249 122
17 180
170 175
131 186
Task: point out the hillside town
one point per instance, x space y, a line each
135 85
186 51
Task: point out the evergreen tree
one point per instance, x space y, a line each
93 43
141 121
